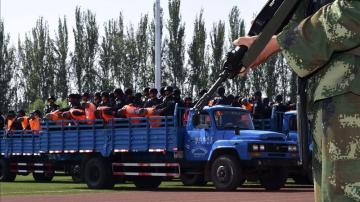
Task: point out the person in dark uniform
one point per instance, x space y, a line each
220 99
51 106
153 100
258 107
168 103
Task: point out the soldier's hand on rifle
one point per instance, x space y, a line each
271 48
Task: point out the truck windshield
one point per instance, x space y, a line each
231 119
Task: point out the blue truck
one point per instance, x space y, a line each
219 145
287 123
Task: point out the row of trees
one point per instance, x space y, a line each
124 56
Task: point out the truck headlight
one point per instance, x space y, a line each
262 147
292 148
255 147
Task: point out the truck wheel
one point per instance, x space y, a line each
42 177
274 178
193 180
77 175
98 174
226 173
5 174
147 182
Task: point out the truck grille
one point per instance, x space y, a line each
276 147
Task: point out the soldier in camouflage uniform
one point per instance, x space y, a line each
318 47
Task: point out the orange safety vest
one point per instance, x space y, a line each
35 125
24 122
130 111
9 123
79 117
248 106
90 109
55 116
151 112
106 116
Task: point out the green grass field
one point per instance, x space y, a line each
25 185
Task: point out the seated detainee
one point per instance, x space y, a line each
56 116
105 110
150 112
131 111
22 120
35 121
90 108
10 119
76 111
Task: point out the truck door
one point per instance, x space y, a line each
199 137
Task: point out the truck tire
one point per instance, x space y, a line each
76 174
42 177
5 174
147 182
226 173
98 173
274 178
193 180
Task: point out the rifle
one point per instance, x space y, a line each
272 18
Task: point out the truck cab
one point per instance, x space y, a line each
224 138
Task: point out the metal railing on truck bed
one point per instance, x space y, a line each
155 134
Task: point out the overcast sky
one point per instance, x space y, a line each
20 15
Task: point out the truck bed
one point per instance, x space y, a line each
120 135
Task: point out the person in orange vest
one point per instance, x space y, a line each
149 113
10 120
21 122
105 110
246 104
76 112
90 108
132 111
35 121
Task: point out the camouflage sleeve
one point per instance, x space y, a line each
310 44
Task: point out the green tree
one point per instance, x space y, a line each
198 73
106 55
61 49
237 29
78 58
37 61
130 60
217 39
270 76
86 34
143 67
7 67
118 57
176 44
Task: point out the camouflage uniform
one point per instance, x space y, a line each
316 48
